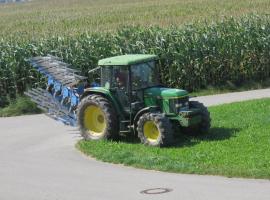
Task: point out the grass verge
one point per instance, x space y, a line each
20 106
237 146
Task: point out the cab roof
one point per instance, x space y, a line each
129 59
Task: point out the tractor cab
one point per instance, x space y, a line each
127 76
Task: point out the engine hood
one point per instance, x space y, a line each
164 93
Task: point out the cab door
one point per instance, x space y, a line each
116 79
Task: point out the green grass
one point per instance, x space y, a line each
41 18
238 145
20 106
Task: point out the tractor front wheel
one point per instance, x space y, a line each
155 129
204 126
97 118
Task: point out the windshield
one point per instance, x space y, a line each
144 75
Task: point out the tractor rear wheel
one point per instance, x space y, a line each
155 129
204 126
97 118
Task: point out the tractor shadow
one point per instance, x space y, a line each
129 138
215 134
181 139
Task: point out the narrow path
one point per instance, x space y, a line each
38 160
218 99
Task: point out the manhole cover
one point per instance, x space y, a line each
156 191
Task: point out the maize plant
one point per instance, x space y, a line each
192 56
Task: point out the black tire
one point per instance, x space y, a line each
111 129
163 125
204 126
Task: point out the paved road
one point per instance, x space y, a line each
38 161
233 97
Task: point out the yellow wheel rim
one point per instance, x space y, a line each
94 120
151 131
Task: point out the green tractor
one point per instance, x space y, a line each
130 98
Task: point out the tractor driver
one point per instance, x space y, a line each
122 90
121 81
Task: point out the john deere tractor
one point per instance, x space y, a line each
127 98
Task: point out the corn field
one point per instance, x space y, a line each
191 57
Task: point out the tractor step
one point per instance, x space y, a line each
53 108
124 126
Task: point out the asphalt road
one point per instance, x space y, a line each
218 99
38 161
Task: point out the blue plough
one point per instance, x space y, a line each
64 88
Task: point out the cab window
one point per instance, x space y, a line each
144 75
